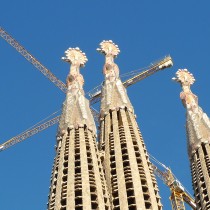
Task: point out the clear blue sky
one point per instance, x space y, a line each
145 31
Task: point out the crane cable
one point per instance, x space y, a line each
158 162
54 113
131 73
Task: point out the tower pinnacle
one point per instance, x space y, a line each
130 179
114 93
77 181
75 56
198 135
186 79
77 59
108 48
76 112
198 123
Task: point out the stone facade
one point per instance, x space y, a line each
77 181
198 136
130 179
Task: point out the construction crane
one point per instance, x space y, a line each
38 127
135 76
179 194
28 133
94 98
29 57
95 94
46 72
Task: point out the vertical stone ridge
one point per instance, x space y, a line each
130 179
77 181
198 140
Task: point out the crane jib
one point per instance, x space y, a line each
28 56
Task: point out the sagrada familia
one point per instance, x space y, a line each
115 173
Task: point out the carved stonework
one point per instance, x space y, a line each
75 56
77 180
198 124
198 136
76 111
186 79
115 96
109 48
130 179
77 59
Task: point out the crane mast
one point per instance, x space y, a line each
179 195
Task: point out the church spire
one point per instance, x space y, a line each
114 93
130 179
77 180
198 123
76 111
198 135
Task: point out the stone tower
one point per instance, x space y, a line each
77 181
130 179
198 136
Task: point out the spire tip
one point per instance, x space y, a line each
108 47
184 77
75 55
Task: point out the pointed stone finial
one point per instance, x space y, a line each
109 48
75 56
76 112
184 77
113 91
197 122
77 59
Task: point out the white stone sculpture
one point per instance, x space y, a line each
113 89
198 123
76 111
